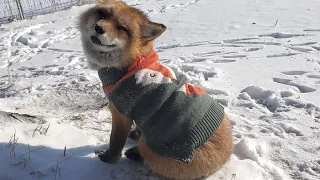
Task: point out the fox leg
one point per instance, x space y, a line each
121 127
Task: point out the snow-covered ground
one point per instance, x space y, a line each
259 58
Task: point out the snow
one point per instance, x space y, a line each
266 74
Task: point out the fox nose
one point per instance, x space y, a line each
99 29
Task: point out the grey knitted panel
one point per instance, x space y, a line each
110 76
181 112
193 129
204 130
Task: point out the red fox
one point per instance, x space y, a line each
184 133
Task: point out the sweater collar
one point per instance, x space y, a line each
110 77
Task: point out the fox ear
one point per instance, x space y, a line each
151 30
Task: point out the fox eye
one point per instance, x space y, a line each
103 14
121 28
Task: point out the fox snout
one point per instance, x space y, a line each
104 35
99 29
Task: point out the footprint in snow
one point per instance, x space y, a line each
294 72
314 76
282 35
206 53
199 59
224 60
281 55
238 39
305 44
253 49
312 30
298 73
234 56
316 48
49 66
302 88
300 49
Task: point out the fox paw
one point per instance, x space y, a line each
133 154
106 157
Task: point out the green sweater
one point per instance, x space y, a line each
174 116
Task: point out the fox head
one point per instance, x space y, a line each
114 34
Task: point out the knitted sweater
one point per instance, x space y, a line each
174 116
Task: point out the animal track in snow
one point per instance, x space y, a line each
237 40
259 43
302 88
224 61
253 49
206 53
199 59
312 30
304 44
309 107
294 72
281 55
63 50
169 7
300 49
316 48
202 43
234 56
314 76
50 66
282 35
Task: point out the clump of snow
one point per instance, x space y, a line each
246 149
268 98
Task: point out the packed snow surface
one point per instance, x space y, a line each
259 58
